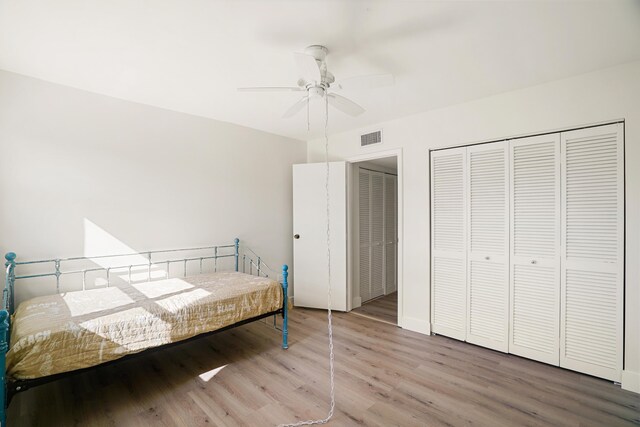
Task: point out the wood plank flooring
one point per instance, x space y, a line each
384 309
385 376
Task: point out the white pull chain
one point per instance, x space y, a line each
332 392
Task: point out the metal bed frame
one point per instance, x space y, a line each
10 388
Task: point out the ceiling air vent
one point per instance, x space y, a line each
371 138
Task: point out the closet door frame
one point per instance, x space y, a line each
551 262
503 343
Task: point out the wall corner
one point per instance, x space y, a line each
631 381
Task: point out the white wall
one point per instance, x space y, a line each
150 178
590 98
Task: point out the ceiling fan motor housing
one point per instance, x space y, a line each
317 51
316 91
320 52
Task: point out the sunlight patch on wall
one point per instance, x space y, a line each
98 242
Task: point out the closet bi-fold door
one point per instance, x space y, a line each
592 269
390 233
535 248
364 201
488 247
377 235
448 243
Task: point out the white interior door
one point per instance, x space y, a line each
377 235
364 233
592 267
535 248
390 233
448 243
310 269
488 247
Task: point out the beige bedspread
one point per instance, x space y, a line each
60 333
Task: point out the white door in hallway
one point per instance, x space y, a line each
391 233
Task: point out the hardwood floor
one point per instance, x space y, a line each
384 376
384 309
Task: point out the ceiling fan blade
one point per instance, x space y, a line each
345 105
296 107
308 69
365 82
270 89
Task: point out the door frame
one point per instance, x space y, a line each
397 152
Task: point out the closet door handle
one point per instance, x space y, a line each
487 258
296 236
533 261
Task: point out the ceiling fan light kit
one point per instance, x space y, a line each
318 82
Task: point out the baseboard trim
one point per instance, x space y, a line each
631 381
356 302
366 316
416 325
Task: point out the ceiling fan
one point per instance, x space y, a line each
318 82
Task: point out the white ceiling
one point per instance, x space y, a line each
190 55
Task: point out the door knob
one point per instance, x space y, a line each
296 236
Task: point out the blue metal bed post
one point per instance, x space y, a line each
285 307
7 308
4 347
237 245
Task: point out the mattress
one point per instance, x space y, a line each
74 330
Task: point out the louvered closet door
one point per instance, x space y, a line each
448 243
377 235
535 248
592 251
487 270
390 233
364 217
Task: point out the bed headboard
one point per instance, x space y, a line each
125 264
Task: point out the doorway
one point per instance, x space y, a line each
375 239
